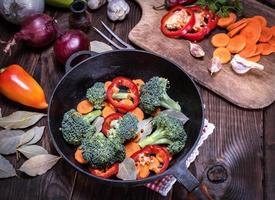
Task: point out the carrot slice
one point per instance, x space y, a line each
266 34
84 107
143 171
272 41
138 113
273 30
107 84
267 49
252 31
254 58
220 40
107 110
238 23
236 30
259 50
248 51
137 138
138 82
79 157
223 54
154 164
261 19
226 21
131 148
236 44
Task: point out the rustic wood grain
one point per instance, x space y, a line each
252 90
269 152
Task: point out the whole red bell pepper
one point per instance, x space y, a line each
177 22
105 173
17 85
205 21
107 122
141 156
133 93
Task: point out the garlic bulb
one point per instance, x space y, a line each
15 11
216 65
196 50
95 4
117 10
241 65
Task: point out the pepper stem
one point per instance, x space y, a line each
2 70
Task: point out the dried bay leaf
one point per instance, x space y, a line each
20 119
32 150
9 139
6 168
38 165
38 133
127 170
26 137
99 47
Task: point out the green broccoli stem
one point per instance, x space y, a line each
92 116
155 136
163 141
169 103
120 95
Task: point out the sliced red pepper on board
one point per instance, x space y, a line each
203 24
177 22
149 153
132 88
107 122
105 173
19 86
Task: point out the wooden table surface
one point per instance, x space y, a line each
243 143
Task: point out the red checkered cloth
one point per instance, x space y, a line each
164 185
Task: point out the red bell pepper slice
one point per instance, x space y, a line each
202 26
105 173
107 122
185 20
152 150
114 88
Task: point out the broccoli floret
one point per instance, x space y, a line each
74 126
100 151
154 94
96 95
168 130
124 128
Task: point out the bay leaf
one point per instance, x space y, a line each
26 137
32 150
9 139
20 119
99 47
127 170
6 168
38 165
38 133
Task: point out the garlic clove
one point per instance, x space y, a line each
196 50
216 65
242 66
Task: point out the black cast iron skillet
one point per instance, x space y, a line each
133 64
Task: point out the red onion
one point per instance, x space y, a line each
70 42
37 31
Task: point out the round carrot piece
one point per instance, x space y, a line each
261 19
107 84
236 30
273 30
252 31
259 50
131 148
226 21
138 113
254 58
79 157
138 82
107 110
267 49
248 51
236 24
272 41
266 34
236 44
223 54
220 40
84 107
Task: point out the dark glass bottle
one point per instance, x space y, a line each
80 18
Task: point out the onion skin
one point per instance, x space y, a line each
38 30
17 85
68 43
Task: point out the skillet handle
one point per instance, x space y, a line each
184 177
76 58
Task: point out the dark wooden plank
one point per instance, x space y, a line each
236 145
269 152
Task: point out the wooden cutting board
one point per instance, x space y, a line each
254 90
